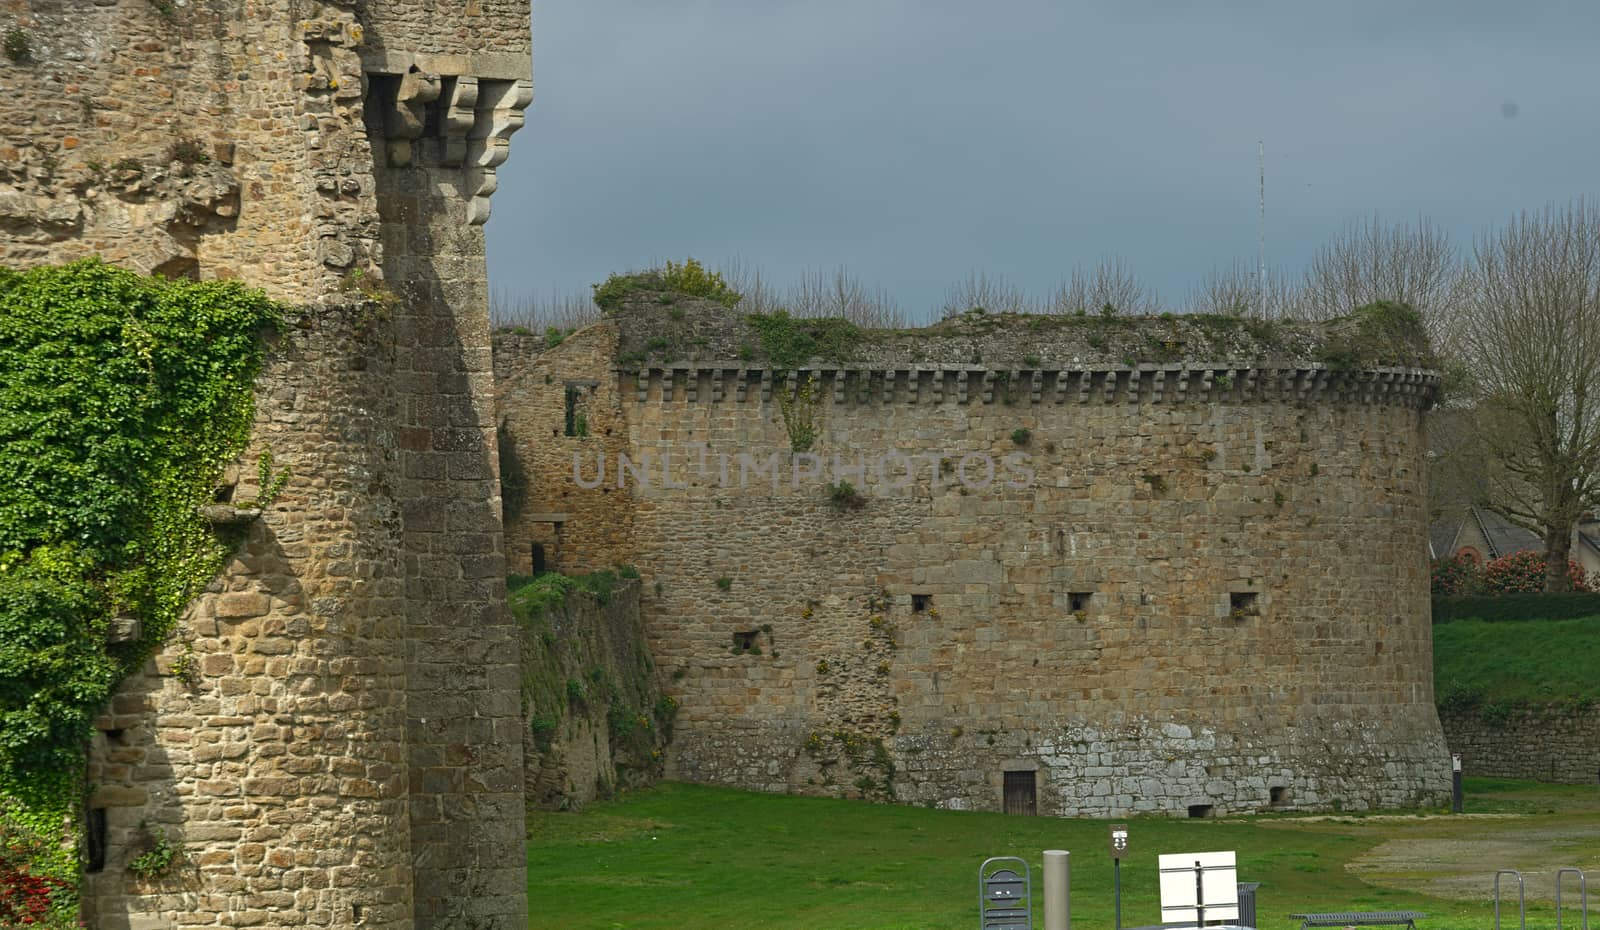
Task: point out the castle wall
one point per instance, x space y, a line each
577 529
1553 744
274 191
921 646
332 738
266 739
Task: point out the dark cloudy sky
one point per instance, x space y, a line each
917 141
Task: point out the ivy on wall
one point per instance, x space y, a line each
122 398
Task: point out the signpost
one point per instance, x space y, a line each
1119 848
1455 784
1197 886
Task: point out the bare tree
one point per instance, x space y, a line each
818 293
1531 337
1110 284
990 294
1370 261
1238 291
840 293
758 296
537 314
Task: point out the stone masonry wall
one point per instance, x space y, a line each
272 187
275 760
595 720
463 721
579 529
333 737
920 646
1553 744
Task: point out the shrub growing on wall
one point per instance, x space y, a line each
121 400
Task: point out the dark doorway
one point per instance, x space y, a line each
96 840
1021 793
538 559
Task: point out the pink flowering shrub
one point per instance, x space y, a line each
1523 573
1456 576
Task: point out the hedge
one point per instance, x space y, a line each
1511 607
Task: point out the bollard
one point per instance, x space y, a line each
1057 890
1455 784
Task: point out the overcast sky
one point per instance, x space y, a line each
916 141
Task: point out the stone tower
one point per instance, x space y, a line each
1084 566
343 747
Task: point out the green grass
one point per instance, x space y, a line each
678 856
1538 662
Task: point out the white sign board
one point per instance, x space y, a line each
1217 887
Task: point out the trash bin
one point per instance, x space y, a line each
1247 903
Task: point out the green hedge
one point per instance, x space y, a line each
1516 607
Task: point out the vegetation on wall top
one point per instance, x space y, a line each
789 342
690 279
123 399
1381 333
687 314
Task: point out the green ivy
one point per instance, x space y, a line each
122 400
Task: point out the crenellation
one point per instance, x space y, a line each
860 386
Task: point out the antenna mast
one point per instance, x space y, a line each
1261 245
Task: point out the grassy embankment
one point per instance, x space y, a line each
1530 661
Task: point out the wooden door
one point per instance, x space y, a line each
1021 793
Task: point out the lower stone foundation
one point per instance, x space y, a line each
1553 744
1138 767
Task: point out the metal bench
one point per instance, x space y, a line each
1360 919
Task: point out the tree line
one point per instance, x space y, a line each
1514 316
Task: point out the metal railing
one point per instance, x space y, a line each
1583 896
1522 900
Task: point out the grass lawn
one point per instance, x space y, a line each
1535 661
686 856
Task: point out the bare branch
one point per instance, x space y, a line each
1531 334
1370 261
840 293
1237 291
1110 284
991 294
536 314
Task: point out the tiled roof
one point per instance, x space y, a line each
1504 536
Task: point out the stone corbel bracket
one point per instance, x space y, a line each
497 116
1220 382
477 103
405 119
